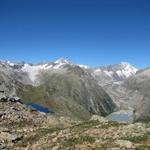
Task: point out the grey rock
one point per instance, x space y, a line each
15 137
2 145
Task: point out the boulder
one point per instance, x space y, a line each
2 144
124 144
16 137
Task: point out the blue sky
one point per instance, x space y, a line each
91 32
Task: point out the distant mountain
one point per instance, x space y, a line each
105 74
34 70
66 88
76 90
10 78
139 86
133 94
114 74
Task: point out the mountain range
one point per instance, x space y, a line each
78 91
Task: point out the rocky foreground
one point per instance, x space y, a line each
23 128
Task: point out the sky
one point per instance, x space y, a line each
90 32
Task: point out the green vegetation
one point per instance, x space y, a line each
143 148
74 141
36 135
136 139
84 126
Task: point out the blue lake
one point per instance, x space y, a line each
39 108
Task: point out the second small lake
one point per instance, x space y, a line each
120 117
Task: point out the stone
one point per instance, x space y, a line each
16 137
124 143
2 144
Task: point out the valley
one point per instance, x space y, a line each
59 106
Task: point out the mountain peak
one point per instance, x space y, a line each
125 63
61 60
128 66
117 72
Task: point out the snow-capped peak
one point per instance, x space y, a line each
83 66
129 68
125 63
117 72
62 61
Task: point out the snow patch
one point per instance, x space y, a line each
10 64
83 66
61 61
33 71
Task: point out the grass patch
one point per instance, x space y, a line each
143 148
36 135
137 138
72 142
84 126
110 124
